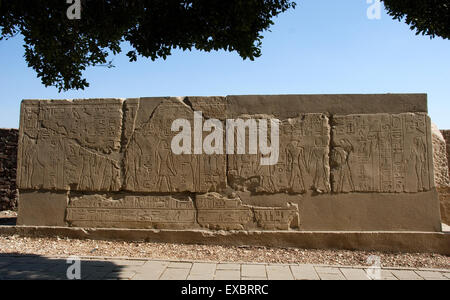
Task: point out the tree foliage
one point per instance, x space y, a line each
59 49
426 17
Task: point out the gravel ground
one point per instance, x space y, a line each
8 217
8 214
68 247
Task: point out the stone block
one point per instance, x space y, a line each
134 212
221 213
289 106
303 163
444 197
382 153
151 165
70 145
337 163
42 209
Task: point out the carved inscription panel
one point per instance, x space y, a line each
303 163
69 145
381 153
151 165
222 213
140 212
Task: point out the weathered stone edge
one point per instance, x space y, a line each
391 103
413 242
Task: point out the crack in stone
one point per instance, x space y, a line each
330 152
142 126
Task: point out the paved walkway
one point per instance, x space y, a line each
36 267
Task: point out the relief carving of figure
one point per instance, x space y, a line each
134 163
29 154
419 160
316 162
341 158
267 184
296 163
166 167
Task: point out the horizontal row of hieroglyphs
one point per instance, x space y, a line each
212 211
112 145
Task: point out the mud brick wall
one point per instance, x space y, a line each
345 163
8 164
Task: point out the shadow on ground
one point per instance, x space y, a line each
8 221
32 267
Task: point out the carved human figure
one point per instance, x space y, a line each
296 162
29 155
267 184
341 158
86 171
316 162
418 159
46 158
166 167
133 162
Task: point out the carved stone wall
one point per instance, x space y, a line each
441 140
8 165
446 136
345 162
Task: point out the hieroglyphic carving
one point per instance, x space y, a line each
381 153
70 145
150 164
277 218
303 163
135 212
219 212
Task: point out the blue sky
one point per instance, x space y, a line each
321 47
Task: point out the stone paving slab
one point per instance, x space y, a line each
175 274
253 271
203 269
32 268
406 275
329 273
305 272
180 265
355 274
427 275
383 275
228 275
279 273
228 267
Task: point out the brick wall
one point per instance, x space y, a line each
8 163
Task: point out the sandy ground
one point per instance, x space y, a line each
68 247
